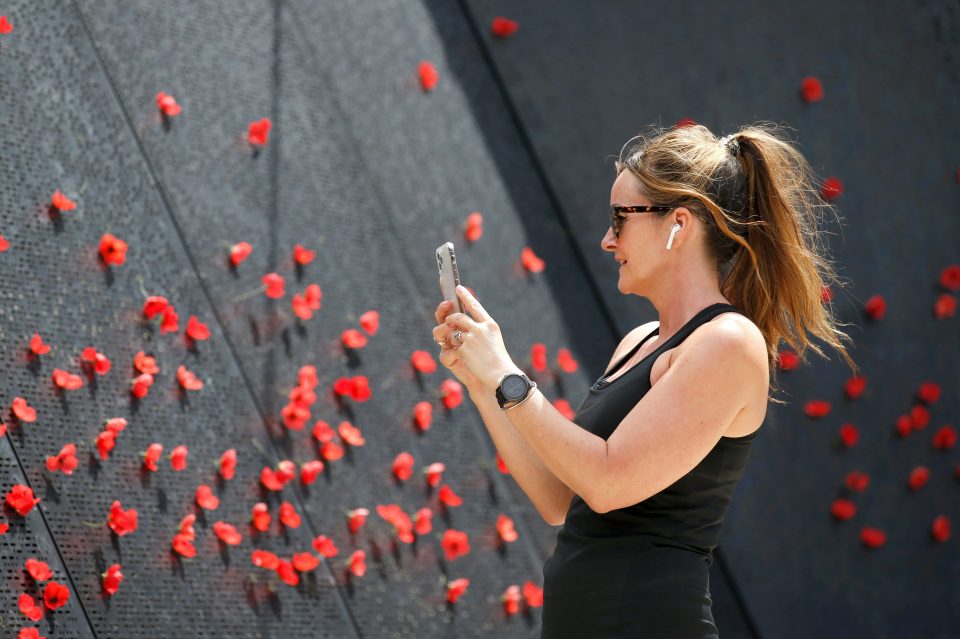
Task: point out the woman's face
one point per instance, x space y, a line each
640 243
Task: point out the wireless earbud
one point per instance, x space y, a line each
673 232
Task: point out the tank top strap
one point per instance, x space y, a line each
702 317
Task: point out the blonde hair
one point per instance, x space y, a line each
755 193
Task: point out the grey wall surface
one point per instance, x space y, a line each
374 173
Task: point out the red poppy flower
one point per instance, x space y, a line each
227 533
122 522
473 229
5 25
270 479
929 393
451 392
260 516
849 434
294 416
352 338
286 470
305 561
152 456
945 437
350 434
258 131
302 256
106 442
112 249
167 104
300 307
826 293
66 380
811 89
286 573
4 244
533 594
904 425
39 570
21 499
919 417
817 408
854 387
423 362
65 460
357 387
919 477
400 520
448 497
857 480
183 546
428 75
187 379
4 527
434 473
530 260
565 361
538 356
356 519
310 470
274 284
101 365
872 537
456 588
456 543
3 431
505 529
228 463
23 411
61 202
876 307
358 563
264 559
239 252
206 499
288 515
178 457
423 415
503 27
832 189
325 546
153 306
37 346
29 608
145 363
843 509
370 322
501 465
563 406
941 528
950 277
684 122
170 321
196 329
403 466
111 579
945 306
55 595
423 521
29 633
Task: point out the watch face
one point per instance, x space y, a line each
514 387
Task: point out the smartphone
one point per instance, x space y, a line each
449 277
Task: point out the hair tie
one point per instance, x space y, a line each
731 143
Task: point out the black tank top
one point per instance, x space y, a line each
686 515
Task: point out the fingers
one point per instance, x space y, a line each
443 309
441 332
470 303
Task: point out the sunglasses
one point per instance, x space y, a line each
618 217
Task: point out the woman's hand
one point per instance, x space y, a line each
449 356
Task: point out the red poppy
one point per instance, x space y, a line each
112 249
274 284
563 406
228 463
294 416
826 293
565 361
423 415
167 104
843 509
264 559
400 520
23 411
538 356
872 537
300 307
684 122
929 393
239 252
39 570
530 260
286 470
857 480
370 322
423 521
503 27
122 522
227 533
152 456
106 442
61 202
501 465
270 479
919 477
29 633
428 75
20 498
533 594
145 363
37 346
66 380
358 563
111 579
945 306
876 307
940 529
356 519
170 321
288 515
154 305
287 573
811 89
950 277
183 545
505 529
64 461
310 470
448 497
455 543
473 229
325 546
260 516
196 329
350 434
854 387
423 362
434 473
258 131
511 599
849 434
178 457
101 365
206 499
451 392
29 608
352 338
919 417
302 256
4 244
187 379
832 189
945 437
817 408
5 25
456 588
55 595
305 561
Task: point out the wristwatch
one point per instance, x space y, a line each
514 389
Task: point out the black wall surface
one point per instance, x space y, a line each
373 172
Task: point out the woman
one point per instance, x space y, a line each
721 236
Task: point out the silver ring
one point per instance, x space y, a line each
439 341
458 335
